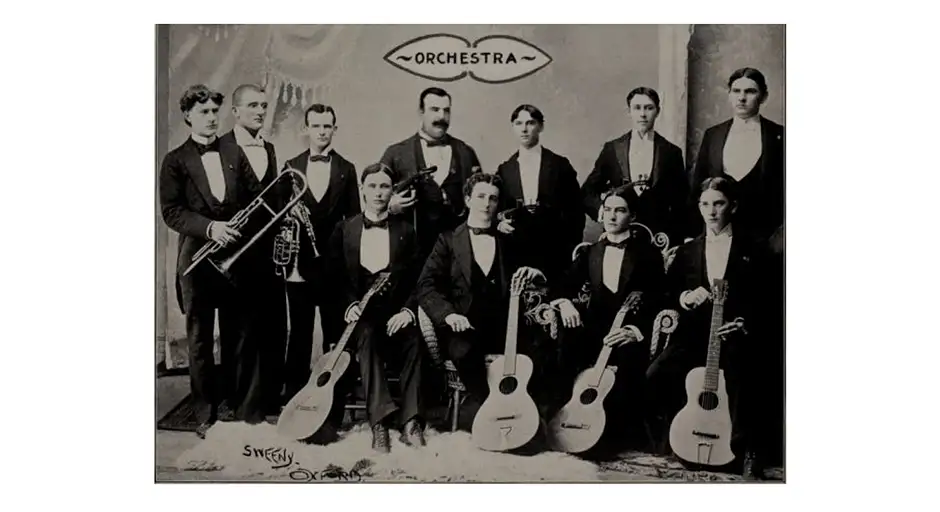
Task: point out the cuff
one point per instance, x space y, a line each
346 314
558 302
682 297
414 320
209 229
636 332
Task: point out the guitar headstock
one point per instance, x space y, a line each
380 285
719 290
633 301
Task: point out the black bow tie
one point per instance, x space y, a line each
483 231
320 158
205 148
369 224
436 143
619 245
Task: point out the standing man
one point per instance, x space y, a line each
541 187
435 205
361 249
649 161
203 184
332 196
269 328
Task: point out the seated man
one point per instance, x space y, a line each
621 263
464 286
718 253
361 248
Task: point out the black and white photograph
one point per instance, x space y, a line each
404 253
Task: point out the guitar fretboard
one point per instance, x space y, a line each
714 341
512 328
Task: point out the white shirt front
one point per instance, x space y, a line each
318 174
374 246
717 251
484 251
254 149
212 163
530 162
641 158
743 147
437 155
613 260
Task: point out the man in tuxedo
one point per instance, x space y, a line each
435 205
203 184
269 331
464 285
645 158
609 271
540 188
332 196
361 249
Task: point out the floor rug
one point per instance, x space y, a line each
256 452
183 417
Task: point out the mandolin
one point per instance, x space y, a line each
508 418
578 426
701 431
306 412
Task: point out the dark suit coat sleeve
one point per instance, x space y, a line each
176 210
597 181
569 195
678 192
573 280
336 266
353 205
435 277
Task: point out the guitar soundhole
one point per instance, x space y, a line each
508 385
588 396
708 400
323 379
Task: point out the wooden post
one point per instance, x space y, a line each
162 145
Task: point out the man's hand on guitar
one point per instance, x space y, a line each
694 298
398 322
735 326
619 337
570 317
402 201
505 227
223 233
353 313
458 323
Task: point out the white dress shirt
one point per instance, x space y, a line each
743 147
484 250
254 149
437 155
318 174
212 163
374 246
641 158
717 250
613 260
530 162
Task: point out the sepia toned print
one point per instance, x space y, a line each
482 253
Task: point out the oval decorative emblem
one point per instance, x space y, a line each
448 58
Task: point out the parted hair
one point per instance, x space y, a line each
375 169
199 94
628 193
753 74
482 177
724 184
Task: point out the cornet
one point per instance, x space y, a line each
241 219
287 241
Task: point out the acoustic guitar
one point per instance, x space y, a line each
306 412
701 431
578 426
508 418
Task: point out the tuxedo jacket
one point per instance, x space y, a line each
641 270
746 275
761 201
339 202
270 172
188 206
404 264
435 211
662 207
444 286
558 224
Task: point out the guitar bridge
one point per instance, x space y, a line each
580 426
307 407
707 435
505 418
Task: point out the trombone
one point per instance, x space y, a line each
241 219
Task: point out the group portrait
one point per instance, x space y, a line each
470 253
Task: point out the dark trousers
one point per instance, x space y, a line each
302 299
270 332
238 381
374 349
666 393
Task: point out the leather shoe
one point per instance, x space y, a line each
225 413
380 440
752 469
412 434
203 428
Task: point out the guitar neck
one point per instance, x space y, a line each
604 356
347 332
714 346
512 328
